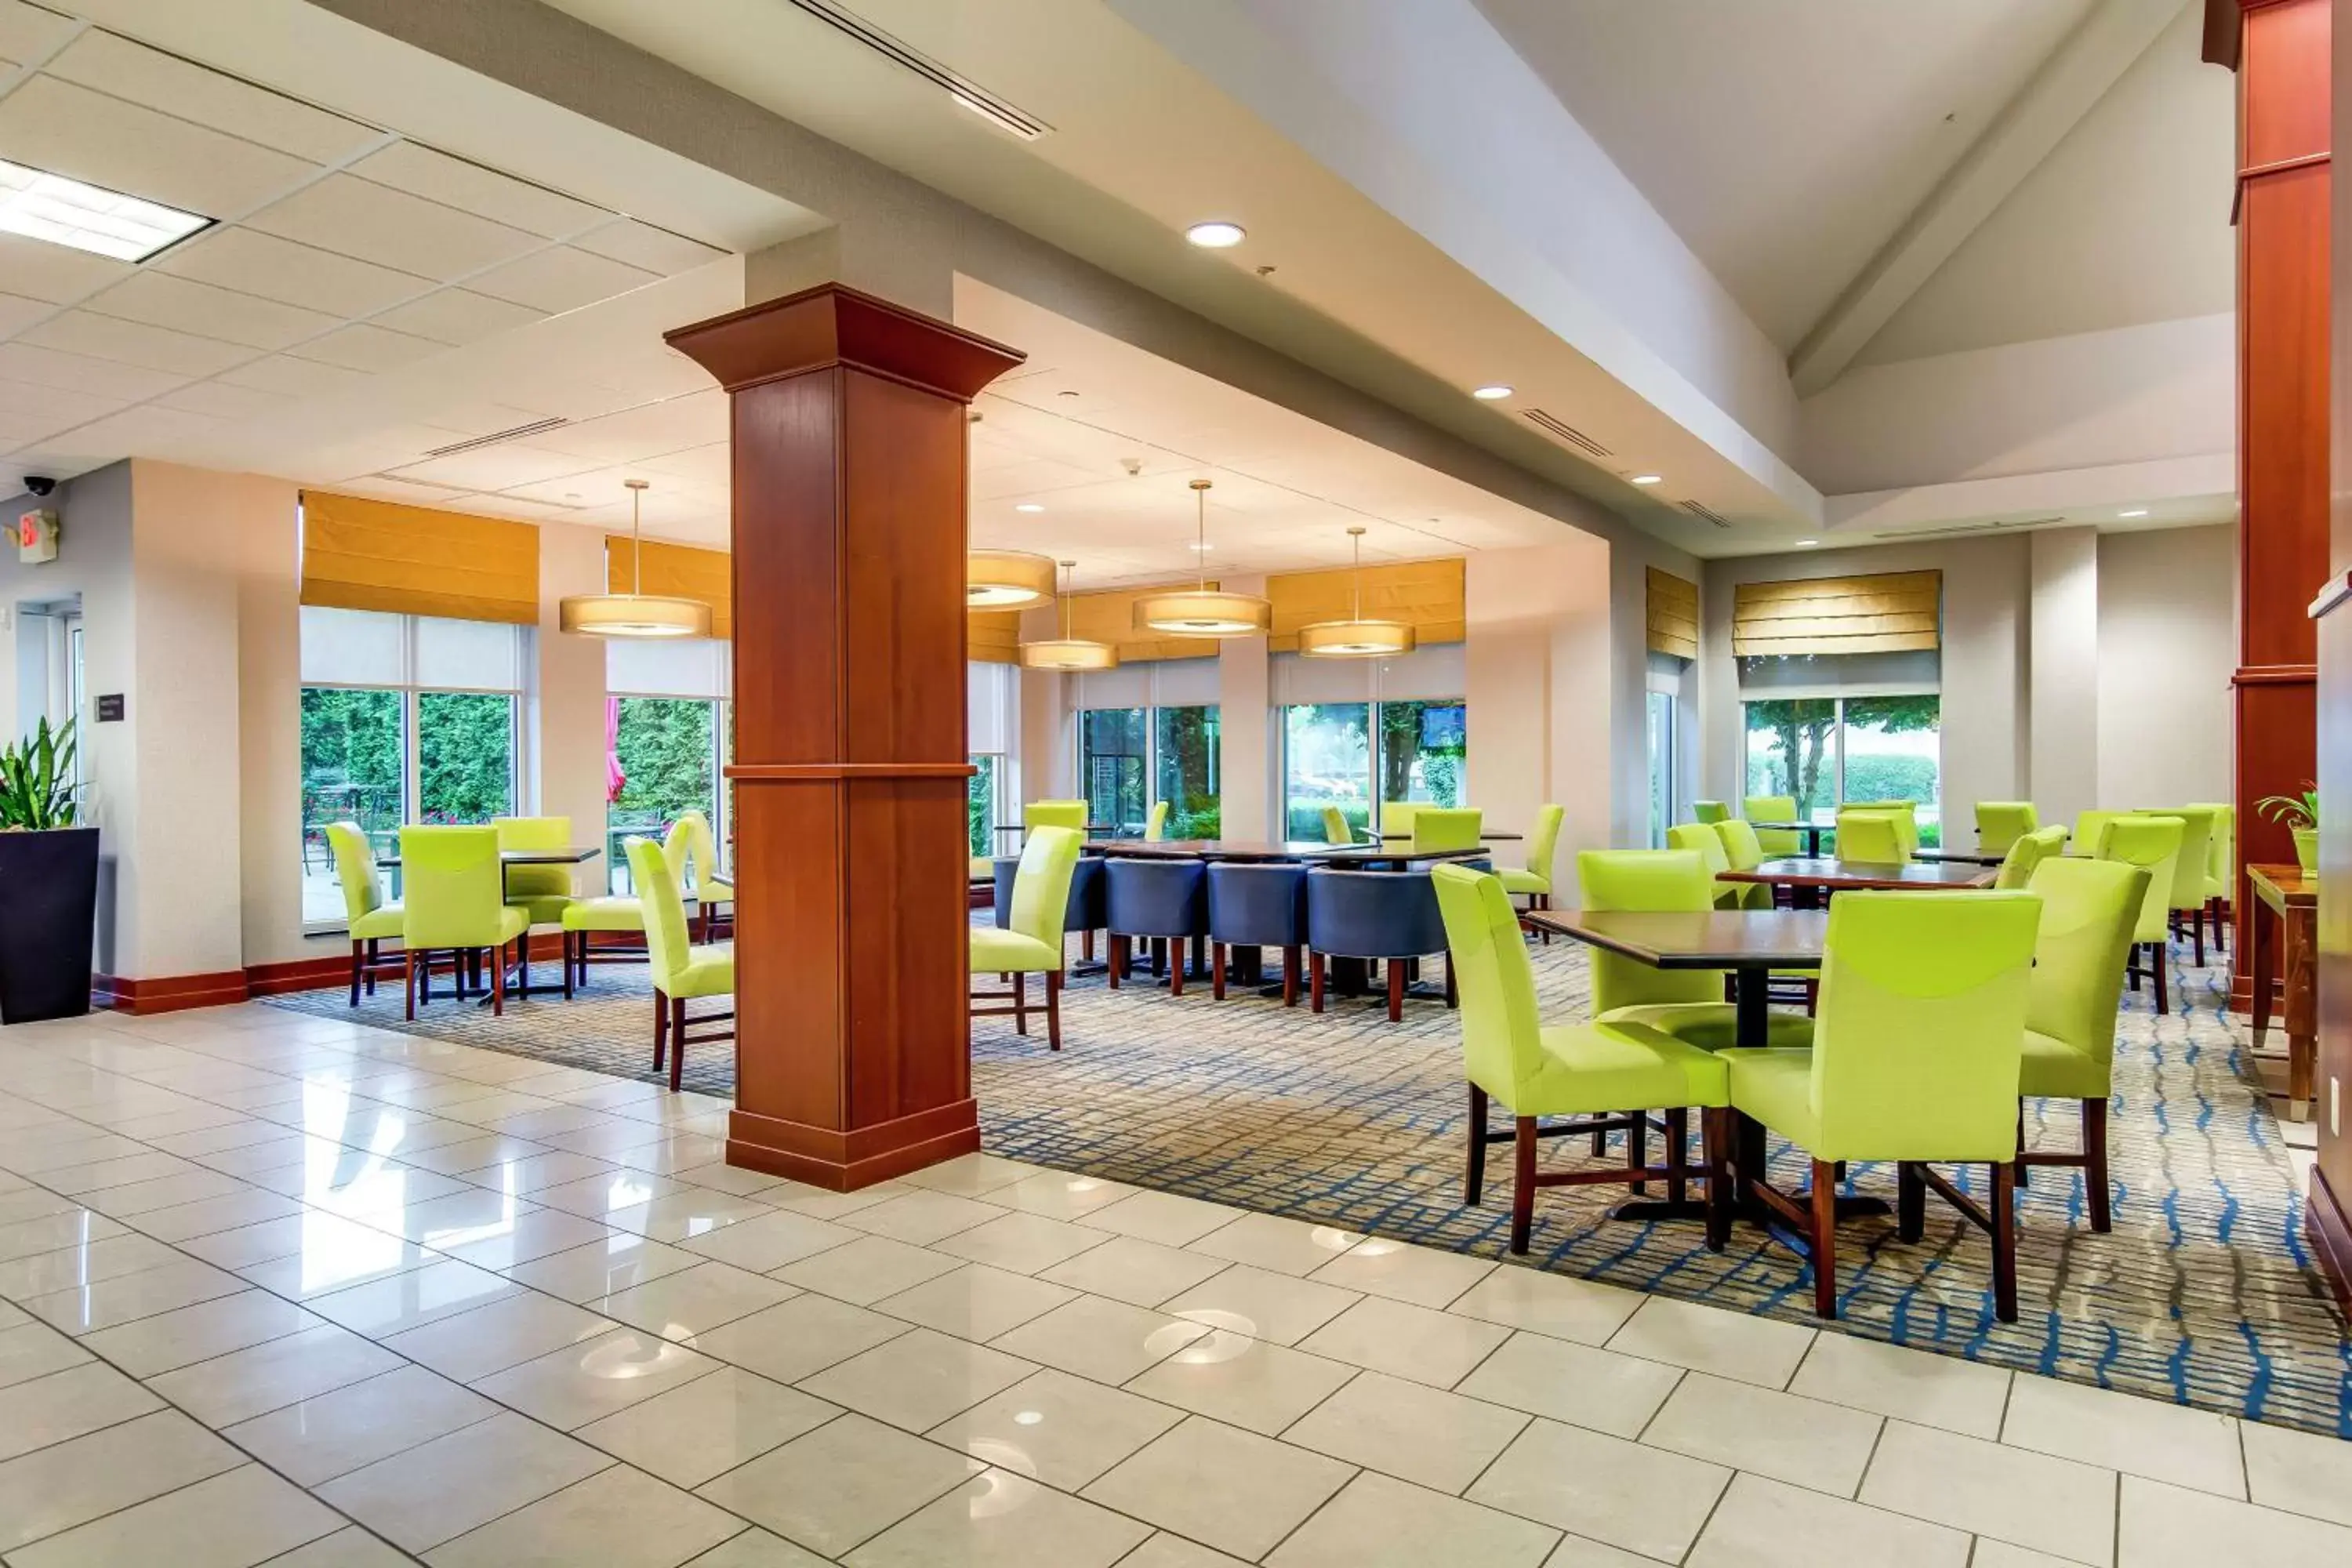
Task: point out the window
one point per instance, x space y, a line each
1826 750
1329 759
1422 748
669 732
980 803
1662 766
1184 770
1111 768
991 723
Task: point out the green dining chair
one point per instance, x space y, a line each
454 901
2221 868
2090 912
1336 827
2001 823
2027 851
1437 829
1581 1075
2190 870
1780 843
1396 819
2152 843
1533 881
542 892
1685 1003
1904 813
1055 814
1700 838
1741 846
692 851
682 972
1032 943
1870 838
367 919
1914 1060
2090 827
1709 811
1155 822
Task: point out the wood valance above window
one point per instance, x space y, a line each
677 572
993 636
362 554
1109 616
1425 594
1672 615
1897 612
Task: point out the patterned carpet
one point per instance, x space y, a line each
2204 1292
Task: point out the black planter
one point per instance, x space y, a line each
48 912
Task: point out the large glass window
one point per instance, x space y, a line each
980 803
1826 750
668 733
355 762
1422 748
465 756
1327 761
1185 770
1662 766
1112 759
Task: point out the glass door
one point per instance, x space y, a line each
1662 766
1111 760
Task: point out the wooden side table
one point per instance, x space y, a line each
2285 944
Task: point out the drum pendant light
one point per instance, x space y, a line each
633 614
1356 637
1204 611
1006 579
1066 652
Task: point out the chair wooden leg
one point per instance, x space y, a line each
567 962
1020 1001
1396 991
1176 966
1715 1136
1115 970
1216 970
1677 1153
2024 1176
359 961
375 958
1087 945
2095 1169
2163 962
1474 1164
1313 981
1637 1149
1600 1144
1543 901
1523 1182
498 983
1054 1008
2196 934
1824 1239
1290 975
661 1030
2004 1243
1910 1201
1453 996
676 1042
409 965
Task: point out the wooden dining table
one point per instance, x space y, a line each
570 855
2285 952
1811 831
1361 857
1810 881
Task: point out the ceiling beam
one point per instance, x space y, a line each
2077 74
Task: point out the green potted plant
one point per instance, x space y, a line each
48 880
2299 814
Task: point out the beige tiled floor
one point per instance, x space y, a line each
321 1296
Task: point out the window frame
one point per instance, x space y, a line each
1147 719
1837 751
1375 729
722 793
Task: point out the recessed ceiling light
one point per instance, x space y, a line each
1490 394
2136 512
1649 479
1219 236
1028 505
66 212
1802 543
1203 549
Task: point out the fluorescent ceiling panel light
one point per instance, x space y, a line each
47 206
1216 236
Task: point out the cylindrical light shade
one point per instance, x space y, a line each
1006 579
1069 653
634 615
1203 612
1355 639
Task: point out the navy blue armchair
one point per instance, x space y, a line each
1163 901
1382 915
1256 906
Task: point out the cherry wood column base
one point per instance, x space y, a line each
844 1162
2330 1230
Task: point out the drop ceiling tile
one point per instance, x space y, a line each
22 400
364 347
470 187
357 217
293 377
634 434
493 467
292 274
457 315
465 419
560 280
16 313
135 343
79 373
146 430
224 400
123 69
381 488
163 299
69 130
712 467
643 244
57 273
28 32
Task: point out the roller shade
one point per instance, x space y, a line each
1894 613
1110 617
1424 595
1674 614
360 554
677 572
993 636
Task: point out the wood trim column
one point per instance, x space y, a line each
2281 211
853 1045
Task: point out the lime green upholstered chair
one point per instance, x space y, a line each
1335 826
542 892
585 918
1587 1072
2090 826
1031 942
2221 866
1685 1003
2152 843
2027 851
692 850
1701 839
1439 829
1741 846
1709 811
682 972
2190 870
1396 819
1155 822
1533 882
1779 842
1055 814
1903 813
2001 823
367 917
1871 838
1914 1060
2090 910
454 901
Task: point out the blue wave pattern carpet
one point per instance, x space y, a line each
2204 1292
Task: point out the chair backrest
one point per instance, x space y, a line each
1709 811
1041 888
536 833
2152 843
1906 814
355 869
2189 867
1055 814
2090 910
452 893
692 850
1502 1034
667 948
2220 845
2090 829
1701 839
1741 846
1336 829
1372 914
1869 837
1776 841
1442 827
1155 822
1920 1025
1670 880
1396 819
2001 823
2028 851
1543 839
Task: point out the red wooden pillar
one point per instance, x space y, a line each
2282 434
849 474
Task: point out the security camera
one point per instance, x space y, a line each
39 484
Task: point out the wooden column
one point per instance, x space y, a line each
2283 321
849 474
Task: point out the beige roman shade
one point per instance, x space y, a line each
1898 612
1109 618
360 554
992 636
677 572
1674 614
1424 595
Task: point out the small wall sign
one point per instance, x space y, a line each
110 707
37 537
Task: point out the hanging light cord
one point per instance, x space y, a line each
637 542
1355 590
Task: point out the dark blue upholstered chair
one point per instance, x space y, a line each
1084 914
1256 906
1389 915
1165 900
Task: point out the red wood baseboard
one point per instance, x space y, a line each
2330 1229
169 993
844 1162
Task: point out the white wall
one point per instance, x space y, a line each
2168 644
2064 637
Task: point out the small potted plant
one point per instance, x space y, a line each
2299 813
49 881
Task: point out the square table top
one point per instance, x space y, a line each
1707 939
1313 850
2283 886
1861 874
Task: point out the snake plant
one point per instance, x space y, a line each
2292 810
36 782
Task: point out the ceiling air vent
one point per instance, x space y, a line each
476 443
1969 527
998 112
1565 432
1700 509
